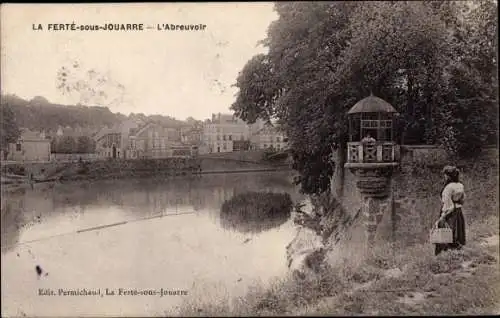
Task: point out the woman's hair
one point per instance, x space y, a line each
452 173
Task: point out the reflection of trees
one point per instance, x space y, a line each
12 219
141 197
245 224
254 212
149 196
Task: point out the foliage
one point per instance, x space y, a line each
9 131
256 211
433 61
72 144
37 115
67 144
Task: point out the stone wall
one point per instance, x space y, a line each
251 156
74 156
406 216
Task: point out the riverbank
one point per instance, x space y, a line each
412 281
399 278
26 174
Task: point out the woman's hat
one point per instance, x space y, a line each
451 171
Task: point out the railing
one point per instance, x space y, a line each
359 152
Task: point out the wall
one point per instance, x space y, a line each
415 202
30 151
73 156
253 155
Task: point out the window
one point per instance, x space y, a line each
230 137
265 145
224 137
278 139
18 146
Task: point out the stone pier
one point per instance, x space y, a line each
374 185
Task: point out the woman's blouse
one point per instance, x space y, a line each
453 195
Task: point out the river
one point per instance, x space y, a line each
167 234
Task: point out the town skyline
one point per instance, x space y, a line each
171 73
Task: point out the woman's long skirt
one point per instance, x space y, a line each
457 224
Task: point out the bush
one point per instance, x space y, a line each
256 211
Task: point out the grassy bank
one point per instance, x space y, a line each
412 281
118 169
401 278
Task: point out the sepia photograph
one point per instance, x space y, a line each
311 158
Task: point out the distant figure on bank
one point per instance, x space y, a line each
368 139
452 198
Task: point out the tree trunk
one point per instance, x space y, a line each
339 173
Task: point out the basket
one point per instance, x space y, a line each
442 235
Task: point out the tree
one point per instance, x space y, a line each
54 145
67 144
324 57
9 131
470 108
85 144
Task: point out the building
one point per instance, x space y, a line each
155 141
269 137
113 142
140 141
227 133
192 135
31 146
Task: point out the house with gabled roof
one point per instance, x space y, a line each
133 140
31 146
113 142
156 141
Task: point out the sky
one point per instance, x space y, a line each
174 73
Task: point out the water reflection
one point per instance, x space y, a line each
248 223
174 251
139 198
255 212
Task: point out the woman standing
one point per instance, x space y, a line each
452 198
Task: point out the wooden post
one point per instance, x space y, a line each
379 152
360 152
350 128
378 126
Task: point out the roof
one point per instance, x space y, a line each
105 131
29 135
372 104
164 130
137 131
